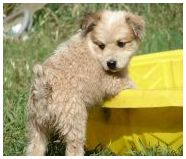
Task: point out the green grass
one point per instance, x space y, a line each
155 150
54 24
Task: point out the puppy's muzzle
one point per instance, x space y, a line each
112 64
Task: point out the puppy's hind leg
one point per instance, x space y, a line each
37 142
75 138
75 141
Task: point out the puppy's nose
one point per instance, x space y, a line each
111 64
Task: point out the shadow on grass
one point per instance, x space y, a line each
57 148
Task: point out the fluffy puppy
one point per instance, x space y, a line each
89 67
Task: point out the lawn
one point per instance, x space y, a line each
51 26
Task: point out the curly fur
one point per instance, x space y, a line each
65 85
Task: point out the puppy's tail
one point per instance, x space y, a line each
40 96
41 89
38 71
40 83
40 80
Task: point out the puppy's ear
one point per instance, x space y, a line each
89 22
137 24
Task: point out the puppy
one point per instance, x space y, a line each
89 67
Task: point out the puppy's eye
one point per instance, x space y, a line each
101 46
121 44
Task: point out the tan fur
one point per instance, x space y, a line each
76 77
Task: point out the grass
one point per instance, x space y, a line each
51 26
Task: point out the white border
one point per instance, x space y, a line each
94 1
79 1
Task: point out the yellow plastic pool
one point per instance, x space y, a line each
152 113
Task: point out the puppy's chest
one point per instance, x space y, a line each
90 83
90 86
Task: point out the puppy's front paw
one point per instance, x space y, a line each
129 84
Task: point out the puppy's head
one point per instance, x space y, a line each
113 37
